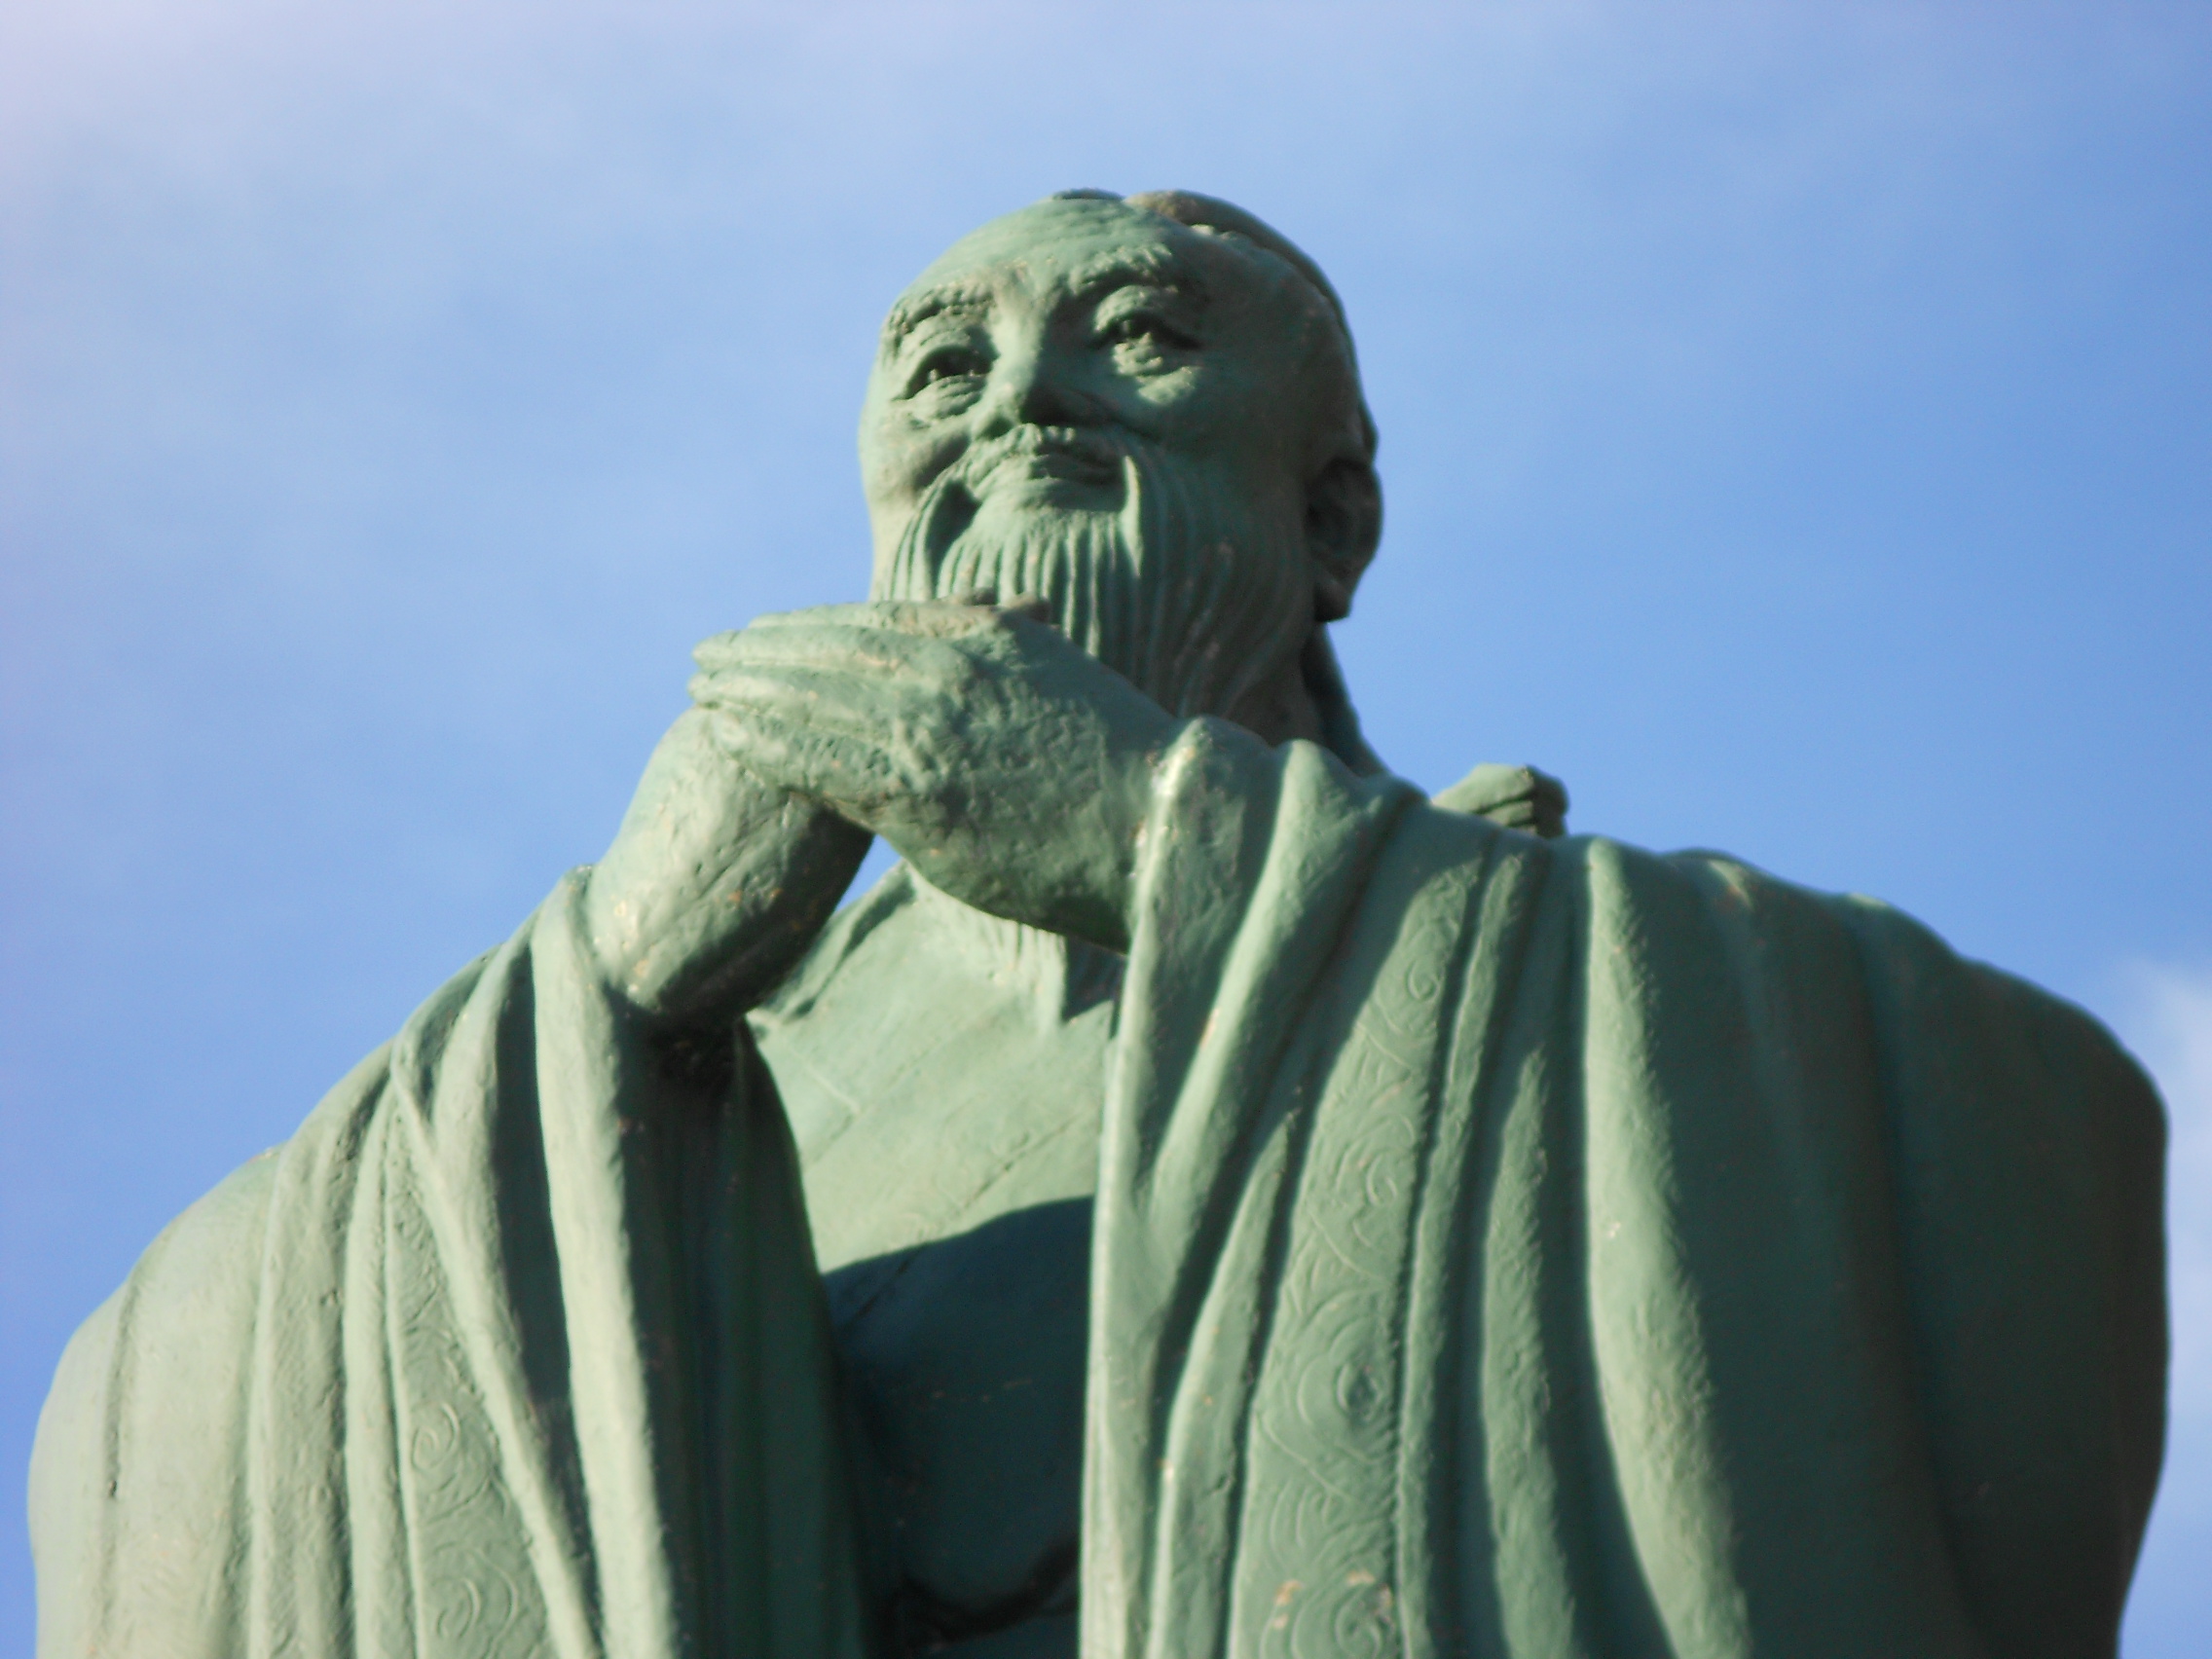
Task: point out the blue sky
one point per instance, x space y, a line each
1794 421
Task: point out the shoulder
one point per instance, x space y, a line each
197 1268
140 1435
196 1280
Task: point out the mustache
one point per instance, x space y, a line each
1092 454
1100 446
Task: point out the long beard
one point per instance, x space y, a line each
1188 595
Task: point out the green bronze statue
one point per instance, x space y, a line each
1208 1201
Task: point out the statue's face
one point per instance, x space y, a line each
1069 332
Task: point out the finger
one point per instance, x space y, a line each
714 647
802 696
905 616
972 615
924 618
817 644
717 646
1029 605
864 653
861 613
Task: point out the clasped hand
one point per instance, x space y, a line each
1007 767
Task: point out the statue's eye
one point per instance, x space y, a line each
947 363
1145 330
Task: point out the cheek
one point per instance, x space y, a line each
1252 426
898 461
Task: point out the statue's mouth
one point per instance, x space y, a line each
1048 471
1049 456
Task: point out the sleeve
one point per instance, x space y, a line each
2029 1167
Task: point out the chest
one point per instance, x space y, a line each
944 1091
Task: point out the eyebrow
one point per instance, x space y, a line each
914 310
1153 268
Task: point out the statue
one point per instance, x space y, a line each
1207 1200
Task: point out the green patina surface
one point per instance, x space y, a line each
1207 1200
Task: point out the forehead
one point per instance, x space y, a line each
1058 248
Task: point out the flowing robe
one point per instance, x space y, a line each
1500 1247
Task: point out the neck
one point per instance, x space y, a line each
1281 707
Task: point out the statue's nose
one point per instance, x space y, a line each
1033 388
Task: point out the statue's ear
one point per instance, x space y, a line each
1344 523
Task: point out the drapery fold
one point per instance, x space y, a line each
536 1362
1503 1250
1523 1249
